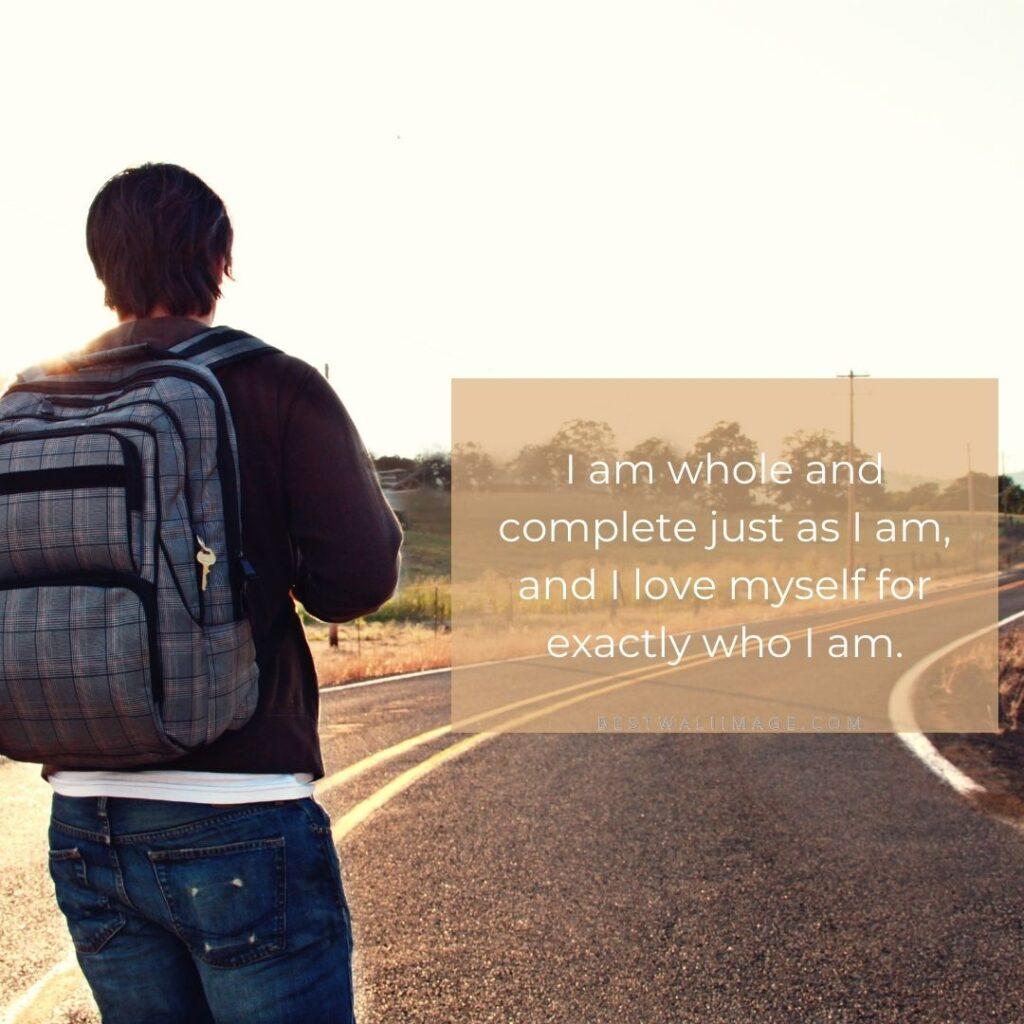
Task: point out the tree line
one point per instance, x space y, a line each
430 469
542 467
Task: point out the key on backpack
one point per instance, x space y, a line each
206 557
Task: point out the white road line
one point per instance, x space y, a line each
19 1005
385 679
900 711
338 687
901 714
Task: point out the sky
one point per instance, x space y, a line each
427 191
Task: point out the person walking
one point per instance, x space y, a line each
169 492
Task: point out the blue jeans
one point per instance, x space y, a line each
202 913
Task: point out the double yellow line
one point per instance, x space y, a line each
365 808
54 988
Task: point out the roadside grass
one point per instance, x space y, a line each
964 667
427 548
1011 541
368 650
425 554
1011 679
412 631
424 599
995 760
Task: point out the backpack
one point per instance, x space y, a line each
124 639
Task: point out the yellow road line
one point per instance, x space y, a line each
362 810
56 985
365 764
365 808
380 757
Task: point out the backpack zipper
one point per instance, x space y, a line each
133 456
147 428
134 495
225 457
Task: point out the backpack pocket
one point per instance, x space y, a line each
73 512
80 679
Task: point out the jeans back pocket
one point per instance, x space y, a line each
226 902
92 919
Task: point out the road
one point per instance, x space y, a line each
630 878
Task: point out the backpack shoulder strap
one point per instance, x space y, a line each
218 347
86 361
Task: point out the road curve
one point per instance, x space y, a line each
630 878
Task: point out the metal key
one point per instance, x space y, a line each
206 557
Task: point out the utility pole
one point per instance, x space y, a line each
970 483
851 493
970 510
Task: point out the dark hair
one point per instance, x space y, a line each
159 236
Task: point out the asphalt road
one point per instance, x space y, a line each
627 878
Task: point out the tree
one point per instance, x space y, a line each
956 496
545 465
658 453
472 467
385 462
1011 496
587 440
727 442
808 450
435 469
534 467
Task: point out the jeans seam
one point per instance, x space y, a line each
168 833
119 880
199 852
324 839
104 936
309 818
72 853
79 833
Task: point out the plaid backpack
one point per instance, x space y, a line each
123 634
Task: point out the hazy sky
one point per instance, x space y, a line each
428 190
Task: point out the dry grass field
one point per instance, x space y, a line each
367 650
1011 679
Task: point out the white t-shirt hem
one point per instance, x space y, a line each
184 787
